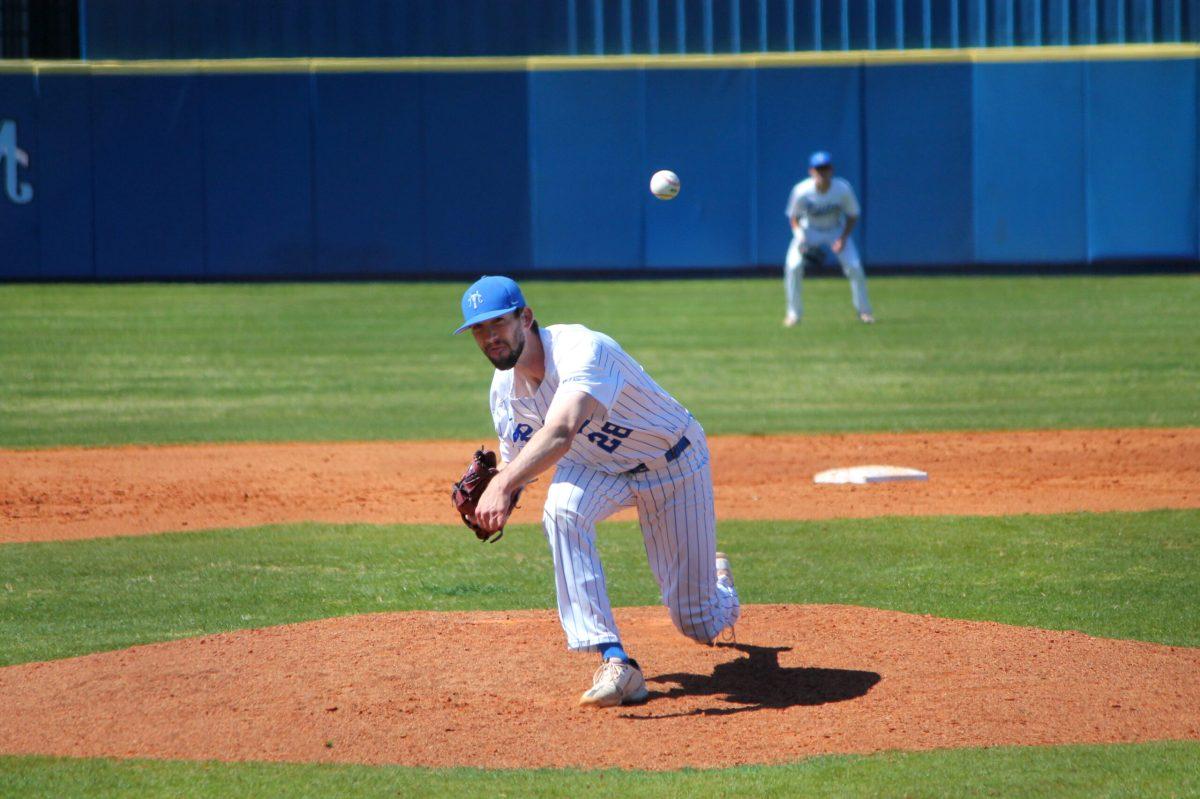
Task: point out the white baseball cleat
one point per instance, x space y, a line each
790 320
866 318
724 569
725 578
615 683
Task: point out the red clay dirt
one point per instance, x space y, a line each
427 689
82 493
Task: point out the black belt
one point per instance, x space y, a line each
671 454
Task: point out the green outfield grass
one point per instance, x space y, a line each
1157 769
113 364
1124 575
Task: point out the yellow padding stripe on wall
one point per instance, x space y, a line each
981 55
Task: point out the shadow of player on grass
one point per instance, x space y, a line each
758 682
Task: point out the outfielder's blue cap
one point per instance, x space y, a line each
819 159
488 297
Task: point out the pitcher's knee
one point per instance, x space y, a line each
560 518
700 626
561 510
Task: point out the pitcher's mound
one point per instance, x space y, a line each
497 690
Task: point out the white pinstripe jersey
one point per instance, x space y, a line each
637 420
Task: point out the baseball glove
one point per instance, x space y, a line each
813 257
468 490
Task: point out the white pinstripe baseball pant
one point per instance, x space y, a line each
675 508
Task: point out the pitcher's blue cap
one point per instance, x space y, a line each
819 159
488 297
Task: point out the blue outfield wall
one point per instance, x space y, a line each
148 177
587 112
369 212
1029 168
209 174
64 200
1151 169
698 123
917 142
257 169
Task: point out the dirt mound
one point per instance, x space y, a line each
429 689
82 493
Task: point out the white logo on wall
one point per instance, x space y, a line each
12 156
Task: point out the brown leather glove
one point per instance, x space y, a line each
470 488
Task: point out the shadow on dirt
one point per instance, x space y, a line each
758 682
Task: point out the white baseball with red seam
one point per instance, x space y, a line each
664 184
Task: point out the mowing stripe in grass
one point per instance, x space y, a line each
1129 770
1123 575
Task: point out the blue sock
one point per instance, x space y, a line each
613 650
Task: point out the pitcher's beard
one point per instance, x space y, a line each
510 360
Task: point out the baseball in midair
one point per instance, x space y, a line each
664 184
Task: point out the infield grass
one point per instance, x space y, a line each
115 364
1163 769
1121 575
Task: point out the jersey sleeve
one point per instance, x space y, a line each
589 367
850 202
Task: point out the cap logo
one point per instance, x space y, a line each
476 300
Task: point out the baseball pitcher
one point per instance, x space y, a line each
570 399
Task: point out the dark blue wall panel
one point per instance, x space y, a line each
698 125
19 189
258 175
1141 159
148 187
918 167
369 174
477 161
588 171
799 111
64 191
1029 163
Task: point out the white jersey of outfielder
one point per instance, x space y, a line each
822 214
642 448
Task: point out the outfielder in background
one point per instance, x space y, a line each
823 212
570 398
